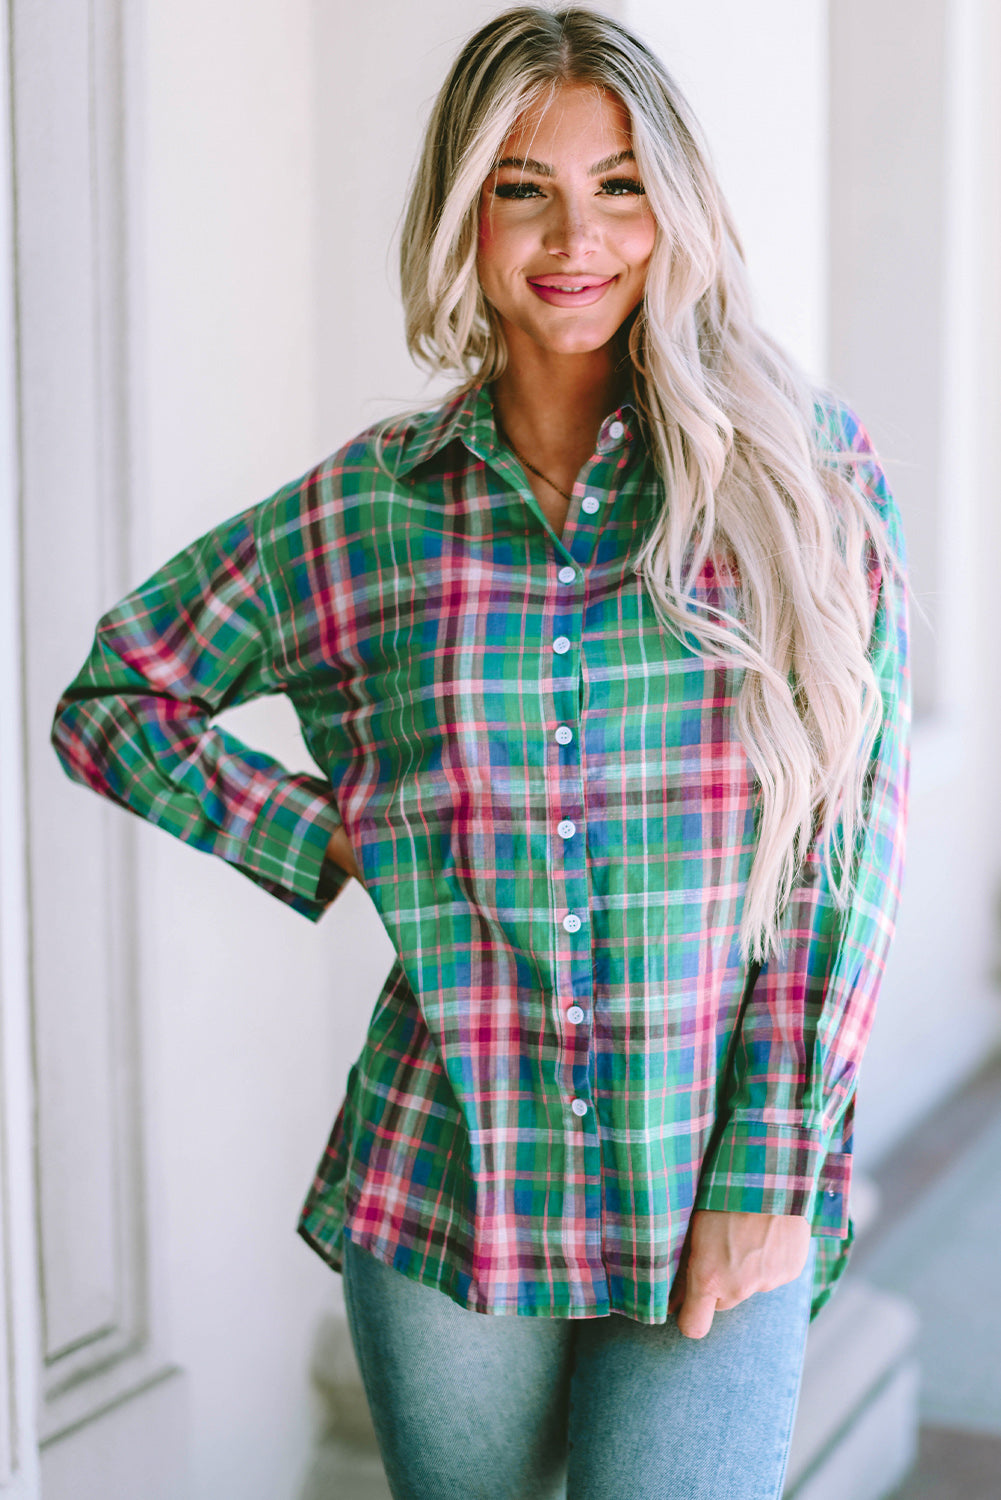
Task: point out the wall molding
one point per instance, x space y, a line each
97 1344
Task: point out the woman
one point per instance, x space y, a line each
606 662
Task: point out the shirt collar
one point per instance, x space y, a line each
468 415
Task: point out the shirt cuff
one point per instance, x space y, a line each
288 844
764 1168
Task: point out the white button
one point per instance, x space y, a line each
575 1014
831 1193
567 575
579 1106
571 922
564 734
590 503
616 430
561 644
566 829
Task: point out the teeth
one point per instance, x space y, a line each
554 286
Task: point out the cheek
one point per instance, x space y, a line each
492 248
638 241
499 250
495 237
631 235
490 260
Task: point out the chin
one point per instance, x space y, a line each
570 341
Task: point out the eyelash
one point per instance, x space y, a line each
515 189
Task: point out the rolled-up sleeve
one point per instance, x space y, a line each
784 1142
135 724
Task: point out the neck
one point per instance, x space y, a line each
552 405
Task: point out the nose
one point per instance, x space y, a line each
571 230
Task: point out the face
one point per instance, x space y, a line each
565 229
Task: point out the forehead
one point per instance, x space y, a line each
578 120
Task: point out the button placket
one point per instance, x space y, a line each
575 976
578 1065
572 880
575 968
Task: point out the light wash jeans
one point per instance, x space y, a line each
475 1406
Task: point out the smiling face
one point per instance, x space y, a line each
565 229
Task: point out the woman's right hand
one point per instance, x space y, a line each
339 850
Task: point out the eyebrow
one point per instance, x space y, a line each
540 169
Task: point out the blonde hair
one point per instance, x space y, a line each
735 428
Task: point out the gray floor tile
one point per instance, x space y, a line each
953 1465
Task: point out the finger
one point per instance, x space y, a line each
696 1316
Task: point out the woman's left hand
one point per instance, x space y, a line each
727 1257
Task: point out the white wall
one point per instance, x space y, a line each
244 998
367 141
756 77
914 329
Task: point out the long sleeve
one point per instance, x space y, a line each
784 1140
135 722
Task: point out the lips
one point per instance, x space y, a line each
570 290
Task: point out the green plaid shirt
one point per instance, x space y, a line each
553 815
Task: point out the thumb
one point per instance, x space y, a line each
696 1315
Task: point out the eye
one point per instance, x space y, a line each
516 190
621 186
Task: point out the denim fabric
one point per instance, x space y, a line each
474 1406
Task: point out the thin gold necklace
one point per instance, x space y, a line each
504 438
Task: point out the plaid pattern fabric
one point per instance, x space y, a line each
554 817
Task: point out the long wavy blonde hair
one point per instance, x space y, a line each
731 421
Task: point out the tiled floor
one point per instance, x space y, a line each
937 1241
